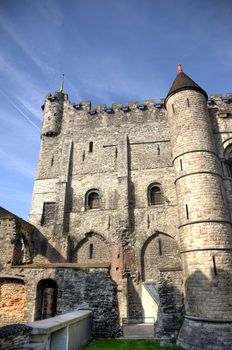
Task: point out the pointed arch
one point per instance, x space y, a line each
93 247
158 251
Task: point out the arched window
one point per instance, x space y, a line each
228 161
93 200
154 195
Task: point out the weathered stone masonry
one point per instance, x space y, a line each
134 188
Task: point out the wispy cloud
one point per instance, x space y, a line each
20 111
31 51
14 162
50 10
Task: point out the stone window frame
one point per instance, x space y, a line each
152 202
87 197
227 162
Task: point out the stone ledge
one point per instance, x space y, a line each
86 266
53 324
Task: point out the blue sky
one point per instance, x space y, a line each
110 51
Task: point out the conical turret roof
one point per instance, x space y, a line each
183 82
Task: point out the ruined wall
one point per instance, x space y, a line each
15 336
75 290
12 300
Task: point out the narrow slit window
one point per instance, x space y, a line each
188 104
91 251
181 165
91 147
158 149
52 161
116 152
173 108
187 211
160 247
214 266
83 156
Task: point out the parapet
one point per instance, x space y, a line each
117 107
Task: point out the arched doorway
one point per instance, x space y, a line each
46 299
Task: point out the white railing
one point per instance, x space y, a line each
65 332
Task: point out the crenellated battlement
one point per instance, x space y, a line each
116 107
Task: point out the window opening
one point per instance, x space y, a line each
155 195
160 247
91 146
214 266
91 251
93 201
187 212
181 165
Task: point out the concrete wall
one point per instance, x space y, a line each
70 331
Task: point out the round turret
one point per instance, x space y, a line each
205 227
53 112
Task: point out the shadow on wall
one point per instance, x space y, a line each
42 247
210 297
170 308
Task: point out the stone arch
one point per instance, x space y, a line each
93 199
21 251
227 165
46 299
12 300
93 247
160 250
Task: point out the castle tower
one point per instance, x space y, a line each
53 111
205 227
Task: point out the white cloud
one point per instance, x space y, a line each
13 162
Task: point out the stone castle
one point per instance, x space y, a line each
130 217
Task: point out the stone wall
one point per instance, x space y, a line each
14 336
75 290
170 308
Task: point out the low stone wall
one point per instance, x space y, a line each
69 331
14 336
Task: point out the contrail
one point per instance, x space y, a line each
19 110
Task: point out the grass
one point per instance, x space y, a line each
123 344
